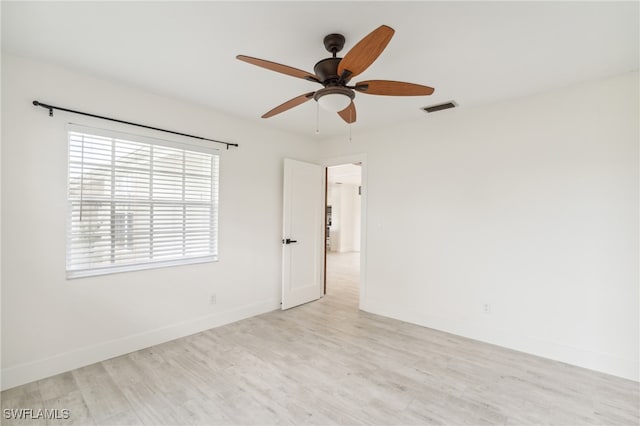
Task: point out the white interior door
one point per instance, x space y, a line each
302 233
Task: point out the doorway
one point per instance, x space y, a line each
343 232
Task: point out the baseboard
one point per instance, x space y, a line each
28 372
605 363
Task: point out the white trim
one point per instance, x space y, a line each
362 159
81 273
35 370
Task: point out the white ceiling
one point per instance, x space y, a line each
471 52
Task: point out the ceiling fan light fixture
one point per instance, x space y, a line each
334 102
334 99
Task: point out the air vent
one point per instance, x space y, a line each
440 107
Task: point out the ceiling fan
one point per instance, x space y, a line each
335 73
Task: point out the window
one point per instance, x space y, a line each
137 203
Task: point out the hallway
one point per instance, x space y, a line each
343 277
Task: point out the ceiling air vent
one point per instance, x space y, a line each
439 107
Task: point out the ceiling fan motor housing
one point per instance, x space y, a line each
327 70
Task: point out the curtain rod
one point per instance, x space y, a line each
52 107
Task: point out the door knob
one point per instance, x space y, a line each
289 241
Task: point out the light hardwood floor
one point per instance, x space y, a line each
329 363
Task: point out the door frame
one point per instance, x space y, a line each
337 161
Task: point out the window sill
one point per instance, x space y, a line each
83 273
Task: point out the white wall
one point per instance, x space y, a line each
345 216
333 199
529 205
50 324
350 218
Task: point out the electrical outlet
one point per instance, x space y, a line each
212 299
486 308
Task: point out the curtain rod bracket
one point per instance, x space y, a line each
52 107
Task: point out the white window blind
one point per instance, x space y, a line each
136 203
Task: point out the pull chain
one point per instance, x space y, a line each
350 122
317 118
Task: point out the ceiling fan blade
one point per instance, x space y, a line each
365 52
273 66
298 100
349 113
392 88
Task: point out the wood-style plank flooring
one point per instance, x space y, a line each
329 363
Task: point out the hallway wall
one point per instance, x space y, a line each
345 212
